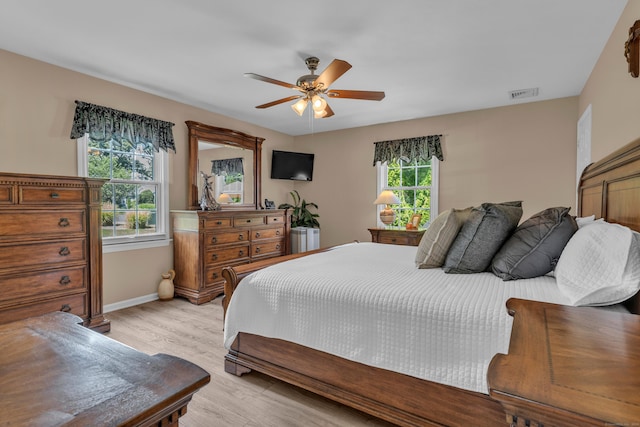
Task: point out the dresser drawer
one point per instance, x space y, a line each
217 256
25 255
267 233
275 219
244 221
394 239
218 222
14 223
213 275
38 284
267 248
56 196
212 239
76 304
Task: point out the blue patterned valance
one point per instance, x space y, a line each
103 123
227 166
408 149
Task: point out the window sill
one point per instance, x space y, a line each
133 246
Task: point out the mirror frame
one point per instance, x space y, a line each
206 133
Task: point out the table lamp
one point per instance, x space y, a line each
387 198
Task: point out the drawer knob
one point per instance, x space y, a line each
54 195
258 250
257 234
278 246
64 222
215 275
64 251
218 222
277 232
66 308
240 236
214 257
240 252
248 220
214 239
65 280
393 239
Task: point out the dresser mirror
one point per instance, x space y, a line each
232 159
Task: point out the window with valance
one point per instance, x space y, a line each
129 151
407 167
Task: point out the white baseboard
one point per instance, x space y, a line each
129 303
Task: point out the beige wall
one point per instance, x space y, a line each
523 152
36 110
613 94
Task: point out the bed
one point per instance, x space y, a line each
419 391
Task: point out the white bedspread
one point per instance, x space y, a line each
368 302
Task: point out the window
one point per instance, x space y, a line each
134 199
416 185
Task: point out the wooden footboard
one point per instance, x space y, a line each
397 398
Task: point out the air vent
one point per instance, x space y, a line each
523 93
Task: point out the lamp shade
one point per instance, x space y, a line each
387 197
300 106
224 198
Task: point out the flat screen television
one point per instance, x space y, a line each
290 165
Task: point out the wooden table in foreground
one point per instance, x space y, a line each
55 372
569 366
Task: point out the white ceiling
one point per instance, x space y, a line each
430 57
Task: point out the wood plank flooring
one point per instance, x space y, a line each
194 333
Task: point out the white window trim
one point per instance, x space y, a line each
381 184
162 215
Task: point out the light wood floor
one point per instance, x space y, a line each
194 333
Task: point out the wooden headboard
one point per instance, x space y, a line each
610 189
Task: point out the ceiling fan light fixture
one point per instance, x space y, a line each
318 103
319 114
300 106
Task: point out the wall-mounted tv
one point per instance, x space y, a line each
290 165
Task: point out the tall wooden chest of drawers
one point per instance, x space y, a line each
206 241
51 247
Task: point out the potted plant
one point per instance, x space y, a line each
305 233
301 216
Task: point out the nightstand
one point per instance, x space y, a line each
568 367
396 236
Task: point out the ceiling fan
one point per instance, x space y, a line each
313 87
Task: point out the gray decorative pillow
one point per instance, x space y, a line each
535 247
488 227
439 237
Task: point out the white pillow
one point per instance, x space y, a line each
600 265
586 220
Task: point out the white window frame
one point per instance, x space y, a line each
381 184
161 237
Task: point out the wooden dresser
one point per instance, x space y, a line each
396 236
51 247
568 367
206 241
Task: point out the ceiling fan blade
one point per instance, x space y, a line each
356 94
330 74
329 111
270 80
279 101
